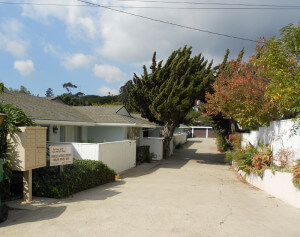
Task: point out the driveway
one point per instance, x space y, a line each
192 194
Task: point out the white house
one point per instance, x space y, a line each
104 133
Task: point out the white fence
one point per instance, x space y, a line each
119 156
282 136
156 146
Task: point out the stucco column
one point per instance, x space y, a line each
27 186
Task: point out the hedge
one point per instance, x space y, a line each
81 175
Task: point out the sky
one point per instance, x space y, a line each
98 50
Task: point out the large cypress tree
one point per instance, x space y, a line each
166 95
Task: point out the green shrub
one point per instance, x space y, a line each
15 118
221 142
142 152
296 174
229 157
243 158
81 175
235 140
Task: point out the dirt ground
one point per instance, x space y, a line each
194 193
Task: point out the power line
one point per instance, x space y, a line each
207 3
169 23
153 7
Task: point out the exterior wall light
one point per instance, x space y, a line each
2 116
55 129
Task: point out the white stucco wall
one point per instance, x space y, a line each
278 184
119 156
156 146
279 135
180 138
107 134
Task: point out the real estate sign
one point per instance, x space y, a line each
61 155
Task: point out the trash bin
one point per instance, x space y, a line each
3 208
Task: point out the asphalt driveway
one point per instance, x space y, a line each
192 194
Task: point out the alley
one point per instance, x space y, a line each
194 193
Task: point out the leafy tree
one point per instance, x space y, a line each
167 94
222 126
2 87
85 100
79 95
279 60
49 92
125 95
69 99
239 94
22 89
69 87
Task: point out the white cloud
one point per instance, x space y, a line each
127 38
25 67
109 73
77 61
80 21
133 40
49 48
105 91
10 38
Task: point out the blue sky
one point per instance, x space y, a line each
99 50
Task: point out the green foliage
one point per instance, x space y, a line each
221 142
243 158
69 87
2 87
239 94
143 154
167 93
125 96
86 100
22 89
91 140
296 174
262 160
15 118
235 141
279 60
230 156
49 92
251 158
193 116
81 175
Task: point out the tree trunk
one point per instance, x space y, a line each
168 135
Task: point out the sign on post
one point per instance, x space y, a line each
60 155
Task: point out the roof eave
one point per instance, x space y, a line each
77 123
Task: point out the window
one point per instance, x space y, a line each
70 134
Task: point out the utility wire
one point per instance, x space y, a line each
153 7
168 23
207 3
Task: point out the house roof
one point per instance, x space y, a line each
40 108
56 99
112 114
